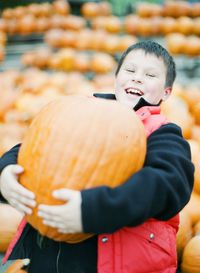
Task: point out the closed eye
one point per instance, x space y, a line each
129 70
150 75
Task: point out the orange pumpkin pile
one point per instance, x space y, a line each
181 109
178 43
89 39
67 59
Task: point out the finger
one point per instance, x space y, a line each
49 217
19 190
17 169
28 202
63 230
63 194
57 225
21 207
14 171
52 210
24 192
23 200
68 230
50 223
25 209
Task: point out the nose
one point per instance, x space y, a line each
137 78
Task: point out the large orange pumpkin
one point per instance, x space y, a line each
77 143
184 233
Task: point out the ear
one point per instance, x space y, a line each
167 93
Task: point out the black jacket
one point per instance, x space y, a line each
159 190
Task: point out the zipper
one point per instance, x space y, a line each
57 258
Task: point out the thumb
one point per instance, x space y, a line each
17 169
63 194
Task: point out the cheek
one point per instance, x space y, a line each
117 84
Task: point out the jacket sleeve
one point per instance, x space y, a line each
8 158
159 190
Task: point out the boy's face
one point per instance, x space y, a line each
141 75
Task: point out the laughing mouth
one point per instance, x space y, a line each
134 91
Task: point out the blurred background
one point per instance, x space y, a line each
50 49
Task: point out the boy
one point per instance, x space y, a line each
135 223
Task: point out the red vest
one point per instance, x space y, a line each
149 247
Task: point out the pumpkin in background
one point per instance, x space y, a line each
11 133
73 144
196 28
42 24
111 44
196 112
175 43
84 39
17 266
10 219
68 38
73 22
192 46
131 24
176 8
185 25
2 53
26 24
190 259
193 208
102 62
176 110
113 24
3 38
168 25
97 41
125 41
195 9
90 10
156 23
191 96
143 9
196 132
195 152
8 98
7 13
144 27
184 233
105 8
61 7
19 11
81 62
196 228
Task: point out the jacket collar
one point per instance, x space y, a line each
141 103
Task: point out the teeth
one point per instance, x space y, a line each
134 91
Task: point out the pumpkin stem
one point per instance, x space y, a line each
25 262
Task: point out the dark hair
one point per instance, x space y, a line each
160 52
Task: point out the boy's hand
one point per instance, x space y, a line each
67 217
18 196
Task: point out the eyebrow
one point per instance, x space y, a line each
149 68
